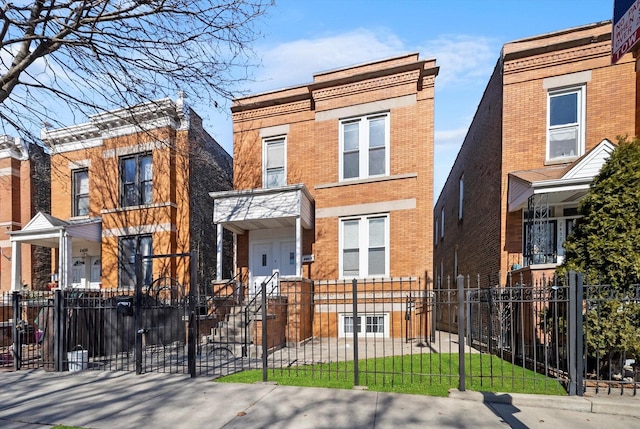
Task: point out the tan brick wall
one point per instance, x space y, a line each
169 218
508 134
313 151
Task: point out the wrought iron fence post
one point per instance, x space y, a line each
137 320
17 335
356 327
572 328
263 291
191 335
461 323
580 355
58 330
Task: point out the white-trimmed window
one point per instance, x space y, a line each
274 163
368 324
565 123
442 222
80 179
364 147
437 232
364 246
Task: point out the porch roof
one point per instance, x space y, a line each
44 230
566 183
244 210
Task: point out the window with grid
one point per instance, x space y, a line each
364 145
128 247
136 177
80 192
375 325
364 247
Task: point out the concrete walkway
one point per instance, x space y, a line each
36 399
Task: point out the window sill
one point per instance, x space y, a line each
141 207
367 180
563 160
80 217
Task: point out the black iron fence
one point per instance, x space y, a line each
550 336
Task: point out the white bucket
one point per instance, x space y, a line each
78 360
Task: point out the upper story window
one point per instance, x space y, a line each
565 119
437 232
364 147
274 161
129 246
442 222
461 197
136 176
80 203
364 246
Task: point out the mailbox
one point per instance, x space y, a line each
124 305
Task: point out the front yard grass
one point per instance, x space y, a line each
423 374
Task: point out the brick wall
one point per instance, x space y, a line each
476 237
313 155
508 134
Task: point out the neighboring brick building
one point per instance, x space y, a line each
128 180
540 134
333 180
24 190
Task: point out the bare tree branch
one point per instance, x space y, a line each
88 56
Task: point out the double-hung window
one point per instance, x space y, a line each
136 178
80 179
565 119
128 248
274 162
364 146
364 243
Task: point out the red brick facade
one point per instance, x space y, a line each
24 190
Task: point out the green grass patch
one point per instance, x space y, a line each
424 374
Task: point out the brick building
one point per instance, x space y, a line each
546 122
24 190
129 180
333 180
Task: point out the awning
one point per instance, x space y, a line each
564 184
240 211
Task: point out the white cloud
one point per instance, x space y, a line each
445 138
462 58
294 63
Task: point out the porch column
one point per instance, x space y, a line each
16 265
298 247
235 255
64 260
219 252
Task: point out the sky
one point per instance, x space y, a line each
304 37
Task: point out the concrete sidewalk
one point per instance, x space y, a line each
33 399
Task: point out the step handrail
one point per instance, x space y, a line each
245 346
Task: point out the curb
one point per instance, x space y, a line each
620 407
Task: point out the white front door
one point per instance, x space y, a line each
78 272
287 262
262 266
